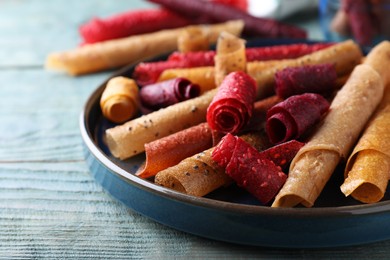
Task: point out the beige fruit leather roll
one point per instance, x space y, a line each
119 52
368 168
345 55
120 101
128 139
230 56
333 139
192 39
199 175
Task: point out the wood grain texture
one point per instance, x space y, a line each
50 207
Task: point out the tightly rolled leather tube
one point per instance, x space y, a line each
367 171
119 101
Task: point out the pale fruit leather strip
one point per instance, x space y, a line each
333 140
120 99
319 78
192 39
149 72
166 93
231 108
230 56
120 52
252 170
293 117
368 168
199 174
170 150
128 139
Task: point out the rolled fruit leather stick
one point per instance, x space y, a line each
367 171
128 139
119 52
230 56
316 161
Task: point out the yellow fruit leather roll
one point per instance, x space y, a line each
333 139
230 56
119 101
368 168
128 139
119 52
203 76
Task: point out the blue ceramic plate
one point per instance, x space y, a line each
230 214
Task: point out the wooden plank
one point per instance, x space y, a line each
30 29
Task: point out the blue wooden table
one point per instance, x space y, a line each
50 206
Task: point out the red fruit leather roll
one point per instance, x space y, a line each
282 154
146 73
166 93
218 12
130 23
170 150
319 79
291 118
361 20
248 168
231 108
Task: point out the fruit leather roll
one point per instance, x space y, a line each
232 106
128 139
202 76
230 56
192 39
120 99
315 162
252 170
170 150
199 174
293 117
166 93
119 52
368 168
